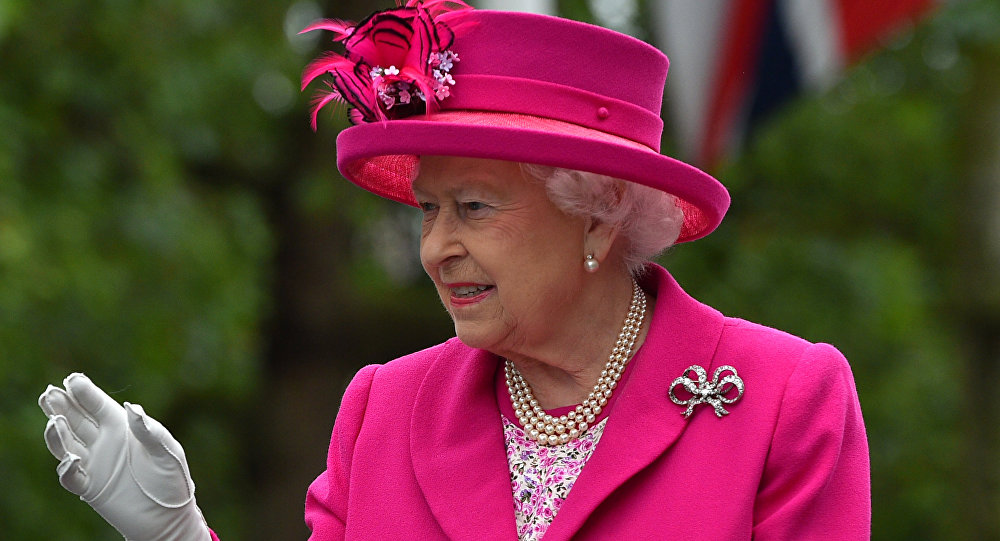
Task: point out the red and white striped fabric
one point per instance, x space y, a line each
735 61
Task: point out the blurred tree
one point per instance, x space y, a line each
168 224
111 260
974 265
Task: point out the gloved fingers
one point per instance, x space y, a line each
61 440
163 475
94 401
47 401
155 437
71 474
55 401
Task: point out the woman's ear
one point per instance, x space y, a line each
600 235
599 238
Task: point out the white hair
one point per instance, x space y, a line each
648 219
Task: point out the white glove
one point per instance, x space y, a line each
122 462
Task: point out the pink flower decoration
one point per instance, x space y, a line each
397 62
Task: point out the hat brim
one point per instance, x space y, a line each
381 157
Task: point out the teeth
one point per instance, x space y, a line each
469 290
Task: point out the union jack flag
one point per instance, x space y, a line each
732 62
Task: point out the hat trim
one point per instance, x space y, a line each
381 158
505 94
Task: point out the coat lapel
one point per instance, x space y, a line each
644 422
457 446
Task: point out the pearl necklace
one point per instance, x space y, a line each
549 430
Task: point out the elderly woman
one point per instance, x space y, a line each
585 395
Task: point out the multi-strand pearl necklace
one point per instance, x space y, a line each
549 430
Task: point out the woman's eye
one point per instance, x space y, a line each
427 207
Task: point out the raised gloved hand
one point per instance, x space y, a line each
122 462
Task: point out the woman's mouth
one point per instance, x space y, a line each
469 293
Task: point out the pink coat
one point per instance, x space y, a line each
418 449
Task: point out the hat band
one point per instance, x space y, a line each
498 93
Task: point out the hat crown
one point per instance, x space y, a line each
560 51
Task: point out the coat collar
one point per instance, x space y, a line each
457 443
644 423
457 446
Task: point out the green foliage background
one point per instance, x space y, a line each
170 226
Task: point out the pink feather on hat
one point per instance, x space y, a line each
396 62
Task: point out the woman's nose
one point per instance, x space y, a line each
442 242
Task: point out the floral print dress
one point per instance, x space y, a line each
541 476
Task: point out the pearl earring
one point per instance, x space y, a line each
591 264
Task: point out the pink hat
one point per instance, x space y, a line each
427 79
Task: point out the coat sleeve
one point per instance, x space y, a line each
326 500
816 482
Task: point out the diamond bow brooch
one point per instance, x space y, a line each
714 393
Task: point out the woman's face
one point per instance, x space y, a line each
506 262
